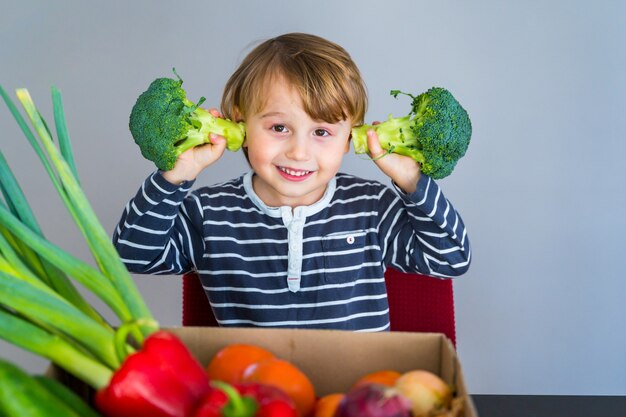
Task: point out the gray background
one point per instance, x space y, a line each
541 188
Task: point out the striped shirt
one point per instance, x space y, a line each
318 266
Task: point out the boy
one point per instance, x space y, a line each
294 243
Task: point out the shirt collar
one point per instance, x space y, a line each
300 211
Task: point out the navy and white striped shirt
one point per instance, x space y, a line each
318 266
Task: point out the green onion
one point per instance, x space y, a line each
28 336
63 135
19 206
97 238
57 313
40 308
90 277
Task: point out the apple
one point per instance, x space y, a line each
425 391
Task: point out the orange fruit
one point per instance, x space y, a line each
286 376
230 362
386 377
327 405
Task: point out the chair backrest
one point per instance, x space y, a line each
417 303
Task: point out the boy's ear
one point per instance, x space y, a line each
347 149
237 117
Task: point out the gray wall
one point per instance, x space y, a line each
541 188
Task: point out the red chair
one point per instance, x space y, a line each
417 303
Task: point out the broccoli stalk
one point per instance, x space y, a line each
164 123
436 133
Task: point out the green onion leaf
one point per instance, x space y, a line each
27 336
98 239
63 135
84 273
41 306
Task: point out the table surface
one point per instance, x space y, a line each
549 406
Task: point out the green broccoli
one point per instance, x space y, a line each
436 133
165 124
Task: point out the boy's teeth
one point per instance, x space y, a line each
294 173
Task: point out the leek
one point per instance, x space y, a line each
97 238
28 336
40 309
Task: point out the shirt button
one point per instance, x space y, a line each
350 240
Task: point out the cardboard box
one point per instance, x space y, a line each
332 359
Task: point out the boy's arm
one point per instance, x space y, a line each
156 234
424 233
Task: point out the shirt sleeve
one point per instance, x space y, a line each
157 234
424 233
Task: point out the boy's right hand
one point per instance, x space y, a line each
404 171
190 163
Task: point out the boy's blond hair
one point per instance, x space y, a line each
323 73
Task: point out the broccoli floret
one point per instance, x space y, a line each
165 124
436 133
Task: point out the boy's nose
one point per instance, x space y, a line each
298 149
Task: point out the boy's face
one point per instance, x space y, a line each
293 156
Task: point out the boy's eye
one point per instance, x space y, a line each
321 132
279 128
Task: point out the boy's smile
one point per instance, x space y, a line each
293 156
294 174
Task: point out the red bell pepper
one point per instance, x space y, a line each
245 400
163 379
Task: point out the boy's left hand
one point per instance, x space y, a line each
402 170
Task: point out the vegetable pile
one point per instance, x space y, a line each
415 393
435 133
385 393
164 123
